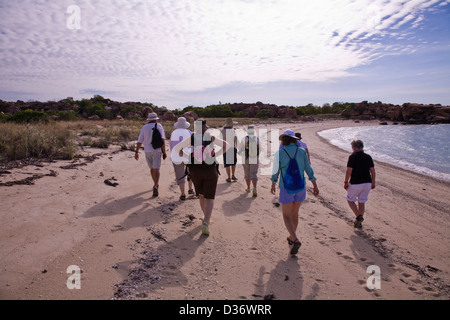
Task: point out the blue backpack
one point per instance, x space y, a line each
292 179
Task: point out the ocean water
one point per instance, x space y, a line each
420 148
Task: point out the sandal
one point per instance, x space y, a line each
183 197
155 192
234 178
290 242
190 191
297 245
358 222
228 180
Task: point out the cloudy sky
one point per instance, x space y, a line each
176 53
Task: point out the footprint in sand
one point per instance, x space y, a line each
347 258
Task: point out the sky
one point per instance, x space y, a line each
178 53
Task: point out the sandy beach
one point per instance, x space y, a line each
130 245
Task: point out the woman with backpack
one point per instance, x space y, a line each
290 164
203 167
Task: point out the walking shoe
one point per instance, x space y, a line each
358 222
155 192
234 178
205 229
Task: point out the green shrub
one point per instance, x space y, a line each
28 116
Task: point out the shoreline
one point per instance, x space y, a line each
132 246
398 162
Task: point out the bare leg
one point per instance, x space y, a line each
290 217
354 208
155 173
361 208
295 210
227 169
208 208
182 189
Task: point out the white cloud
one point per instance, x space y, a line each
165 45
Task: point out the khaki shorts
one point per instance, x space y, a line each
153 159
180 173
250 171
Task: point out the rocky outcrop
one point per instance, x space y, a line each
102 108
408 112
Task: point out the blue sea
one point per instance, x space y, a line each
420 148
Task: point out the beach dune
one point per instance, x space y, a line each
129 245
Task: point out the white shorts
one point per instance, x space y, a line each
153 159
358 192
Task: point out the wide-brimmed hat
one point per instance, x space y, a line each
181 123
289 133
229 123
152 116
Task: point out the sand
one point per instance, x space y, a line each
130 245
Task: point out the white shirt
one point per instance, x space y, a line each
176 137
145 137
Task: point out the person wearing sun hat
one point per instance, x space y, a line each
152 155
302 145
291 200
230 157
250 162
180 133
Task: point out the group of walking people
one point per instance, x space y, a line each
194 160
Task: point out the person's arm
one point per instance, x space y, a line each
310 172
316 189
136 153
275 172
348 174
307 152
372 172
163 149
163 138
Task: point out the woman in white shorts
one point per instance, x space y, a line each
359 180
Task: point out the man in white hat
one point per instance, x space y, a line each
180 133
152 155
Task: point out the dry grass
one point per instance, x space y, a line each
61 140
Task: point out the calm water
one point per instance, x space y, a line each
420 148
